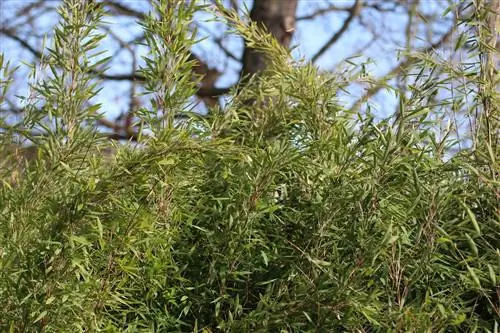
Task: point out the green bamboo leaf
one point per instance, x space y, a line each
472 244
459 319
264 256
462 38
421 112
472 217
40 316
492 275
474 276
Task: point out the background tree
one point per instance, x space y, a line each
284 206
326 32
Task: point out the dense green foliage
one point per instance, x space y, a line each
282 212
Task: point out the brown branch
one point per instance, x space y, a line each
121 77
228 53
28 8
128 133
399 69
109 124
218 41
322 11
26 13
118 136
212 92
125 132
334 8
353 12
9 33
234 4
118 8
201 69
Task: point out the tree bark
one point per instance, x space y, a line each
278 18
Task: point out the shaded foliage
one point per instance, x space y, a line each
282 212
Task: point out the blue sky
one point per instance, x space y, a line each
309 36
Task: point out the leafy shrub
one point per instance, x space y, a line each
286 212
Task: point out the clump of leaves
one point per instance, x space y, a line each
285 212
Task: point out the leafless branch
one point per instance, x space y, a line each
11 34
399 69
120 9
322 11
353 12
119 132
205 91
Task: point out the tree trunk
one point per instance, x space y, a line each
278 18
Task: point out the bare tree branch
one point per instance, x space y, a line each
322 11
353 12
119 132
399 69
202 69
120 9
11 34
334 8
